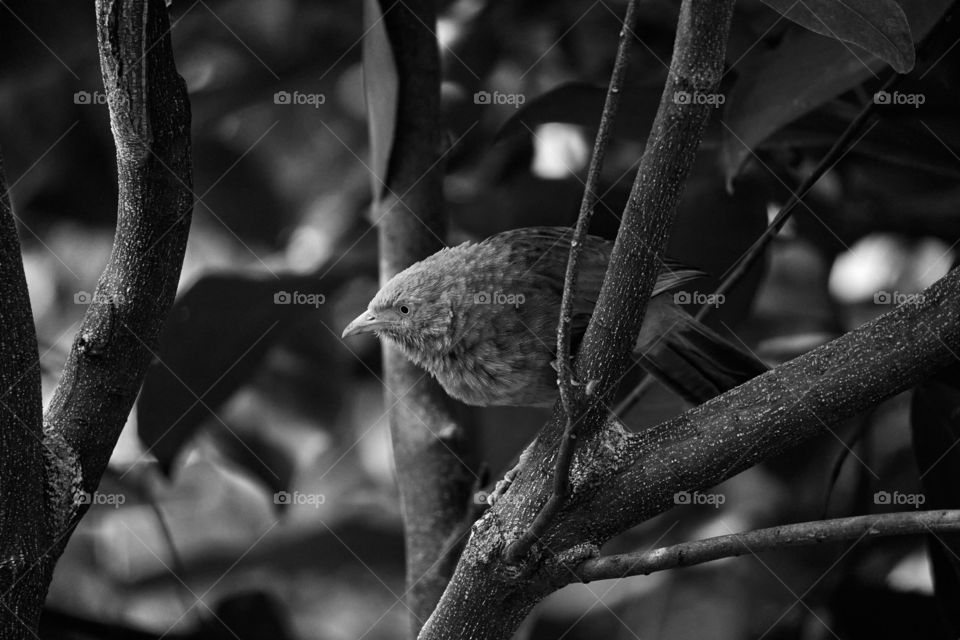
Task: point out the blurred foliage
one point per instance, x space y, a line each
249 398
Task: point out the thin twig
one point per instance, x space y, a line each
840 147
561 487
836 152
771 539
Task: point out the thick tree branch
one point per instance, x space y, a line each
150 119
488 577
802 534
590 198
621 479
432 451
772 413
636 259
24 534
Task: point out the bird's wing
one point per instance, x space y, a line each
543 252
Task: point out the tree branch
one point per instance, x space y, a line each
433 453
24 535
564 382
801 534
620 479
501 585
150 119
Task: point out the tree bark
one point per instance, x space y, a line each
45 485
433 453
619 479
24 530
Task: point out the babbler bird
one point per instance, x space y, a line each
482 319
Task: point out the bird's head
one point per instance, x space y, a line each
415 309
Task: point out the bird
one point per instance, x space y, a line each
482 317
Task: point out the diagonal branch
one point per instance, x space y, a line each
150 119
504 567
764 417
803 534
636 259
564 376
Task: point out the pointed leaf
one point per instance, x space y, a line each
879 26
380 87
803 72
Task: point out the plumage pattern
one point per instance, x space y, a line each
482 318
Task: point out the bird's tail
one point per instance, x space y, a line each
688 357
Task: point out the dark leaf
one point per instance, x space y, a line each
215 337
775 87
879 26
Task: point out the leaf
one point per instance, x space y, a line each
878 26
775 87
215 338
935 424
380 87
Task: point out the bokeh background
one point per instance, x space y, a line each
252 493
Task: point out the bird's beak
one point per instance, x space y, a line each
366 322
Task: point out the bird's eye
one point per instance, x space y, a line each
404 309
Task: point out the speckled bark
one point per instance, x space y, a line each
432 451
47 461
619 479
24 534
150 119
